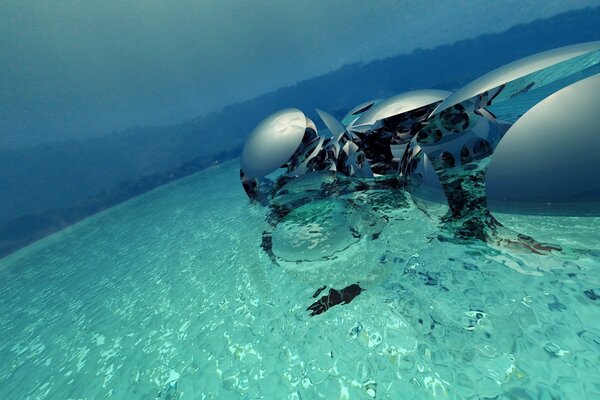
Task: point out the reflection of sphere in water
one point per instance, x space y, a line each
324 236
308 187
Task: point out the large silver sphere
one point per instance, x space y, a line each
552 151
273 142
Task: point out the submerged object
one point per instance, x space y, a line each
333 298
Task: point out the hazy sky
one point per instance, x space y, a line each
72 69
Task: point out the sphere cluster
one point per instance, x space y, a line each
425 138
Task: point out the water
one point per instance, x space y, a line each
170 296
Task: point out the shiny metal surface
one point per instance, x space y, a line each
518 69
553 148
361 106
334 126
310 124
399 104
273 142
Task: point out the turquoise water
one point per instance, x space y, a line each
170 296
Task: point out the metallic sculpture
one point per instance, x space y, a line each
462 133
291 167
286 145
385 130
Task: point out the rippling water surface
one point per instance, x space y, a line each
170 296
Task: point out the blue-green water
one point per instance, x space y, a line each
169 296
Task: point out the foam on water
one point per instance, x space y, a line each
170 296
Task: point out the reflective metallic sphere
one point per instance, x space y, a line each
552 149
272 143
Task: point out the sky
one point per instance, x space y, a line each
73 69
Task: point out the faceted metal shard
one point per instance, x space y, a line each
273 142
516 77
399 104
352 162
334 126
303 160
552 149
342 152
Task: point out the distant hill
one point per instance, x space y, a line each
49 186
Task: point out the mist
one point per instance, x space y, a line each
75 70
